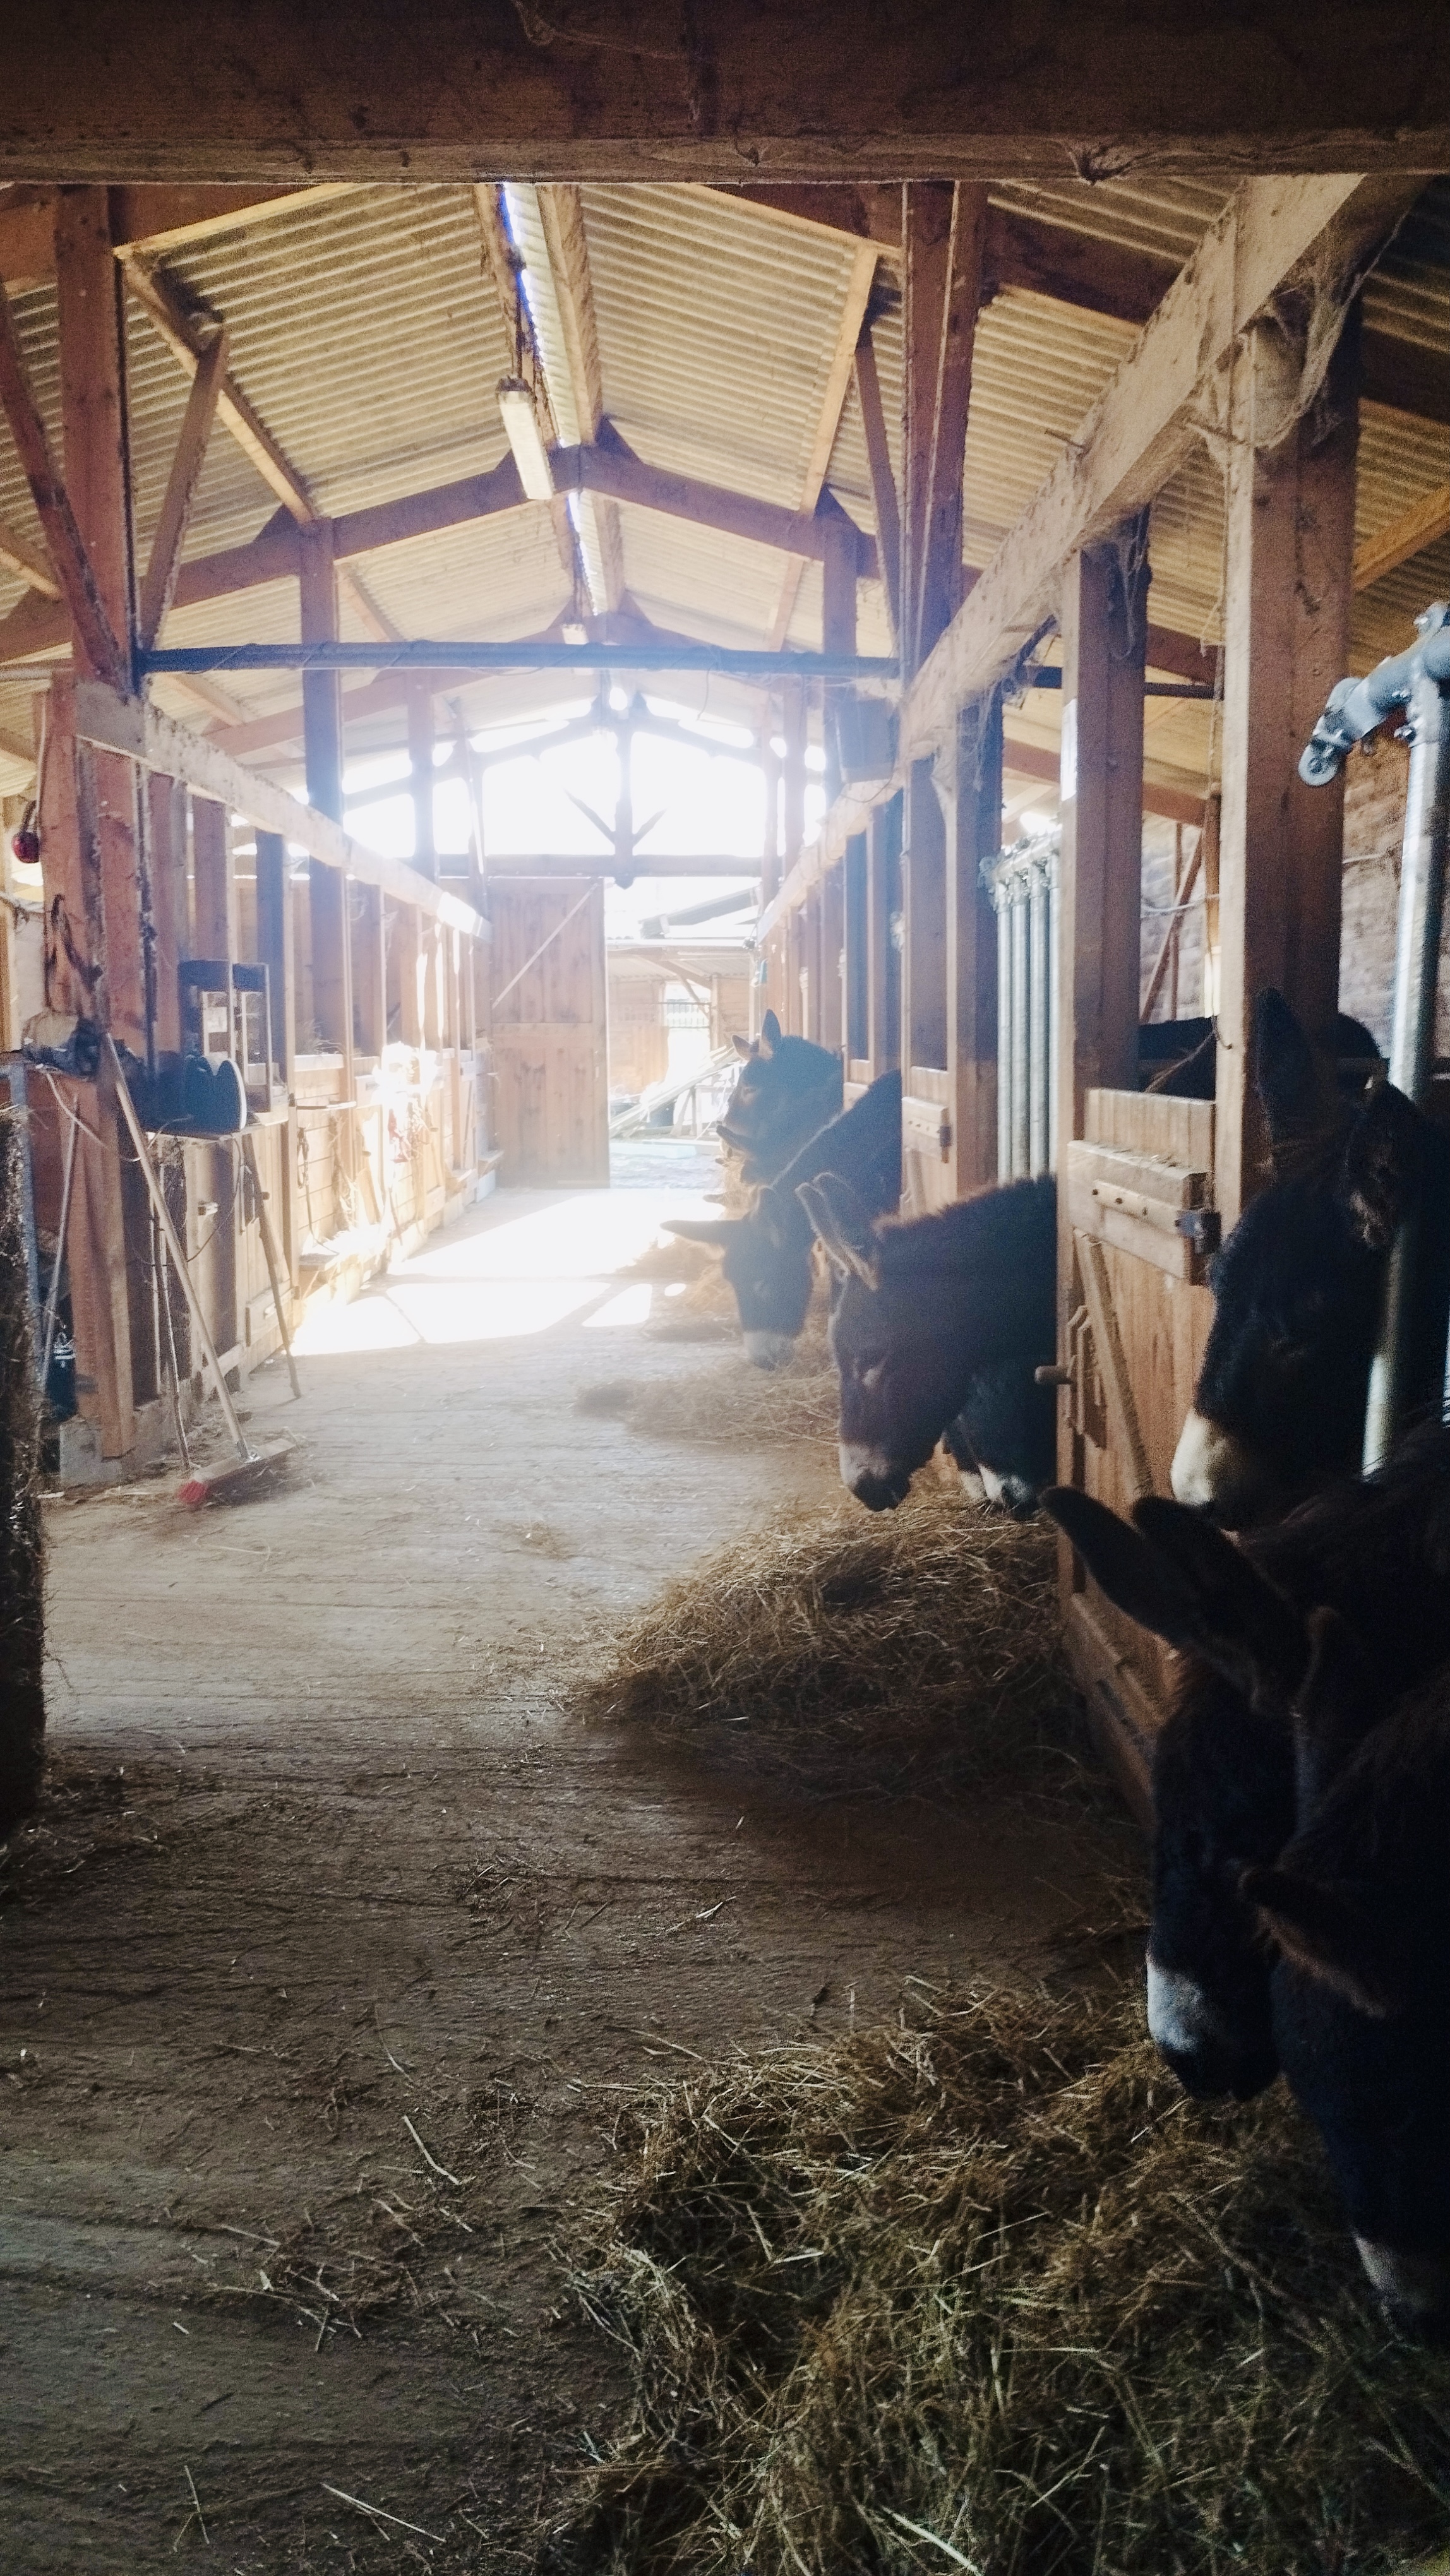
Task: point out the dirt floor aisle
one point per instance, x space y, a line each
339 1937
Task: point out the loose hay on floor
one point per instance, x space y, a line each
731 1403
985 2291
913 1653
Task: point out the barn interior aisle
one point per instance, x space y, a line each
323 1855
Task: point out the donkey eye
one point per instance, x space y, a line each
870 1372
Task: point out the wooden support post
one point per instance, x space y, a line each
770 847
1290 552
94 857
793 796
924 959
420 759
274 945
968 780
215 881
406 945
838 629
369 971
883 926
833 942
170 911
322 736
1104 632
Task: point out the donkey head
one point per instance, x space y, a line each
1280 1398
766 1259
1358 1909
1223 1775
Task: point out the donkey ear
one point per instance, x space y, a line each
1285 1074
1326 1936
1382 1168
744 1047
1333 1709
1145 1585
770 1034
838 1217
714 1231
1242 1625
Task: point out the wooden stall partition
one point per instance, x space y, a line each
926 1126
856 969
967 778
884 933
1133 1307
830 968
550 1032
1288 588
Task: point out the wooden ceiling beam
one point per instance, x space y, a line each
156 220
1082 269
1274 235
839 373
436 92
187 340
142 733
19 558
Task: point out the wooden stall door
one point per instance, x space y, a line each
1139 1185
550 1033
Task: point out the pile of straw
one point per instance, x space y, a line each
907 1655
985 2291
22 1570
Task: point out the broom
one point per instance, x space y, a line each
255 1470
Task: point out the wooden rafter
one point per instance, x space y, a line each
18 557
943 285
72 563
154 220
1423 524
1150 415
110 719
610 469
186 339
883 480
159 585
561 213
833 401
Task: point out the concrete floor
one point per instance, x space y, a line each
339 1938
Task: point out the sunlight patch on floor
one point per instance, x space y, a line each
501 1276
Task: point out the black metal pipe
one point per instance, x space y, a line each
423 655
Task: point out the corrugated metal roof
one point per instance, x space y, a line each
366 331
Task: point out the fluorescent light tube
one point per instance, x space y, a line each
521 427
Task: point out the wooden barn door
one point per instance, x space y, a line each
550 1033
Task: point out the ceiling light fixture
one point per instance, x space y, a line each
521 428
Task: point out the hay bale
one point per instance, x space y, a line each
22 1570
732 1404
987 2291
912 1654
